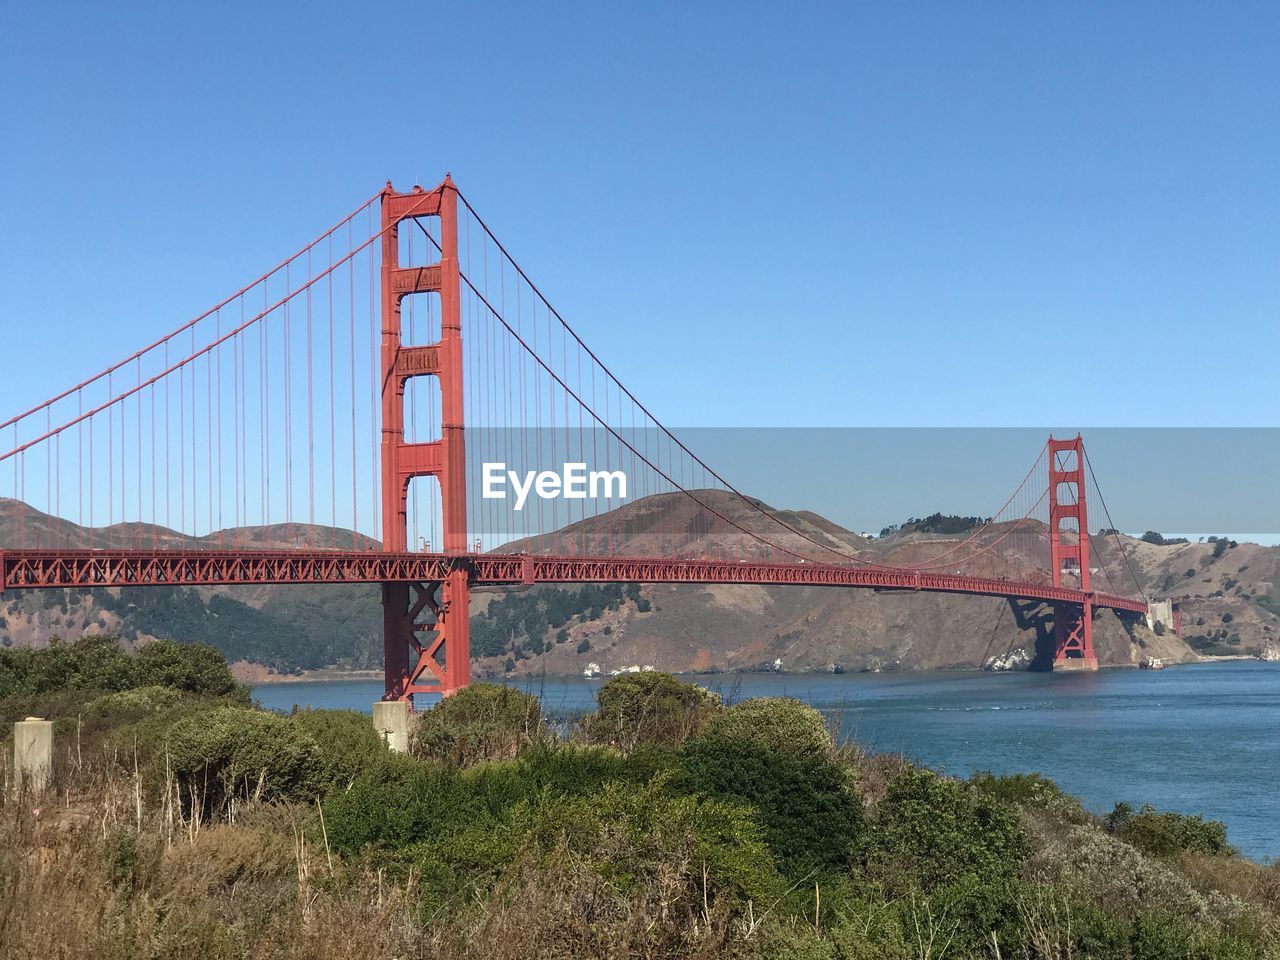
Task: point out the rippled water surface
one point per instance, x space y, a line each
1201 739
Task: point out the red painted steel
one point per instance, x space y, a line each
27 569
426 595
1072 622
412 648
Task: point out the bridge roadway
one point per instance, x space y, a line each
35 569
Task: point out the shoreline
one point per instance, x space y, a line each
254 678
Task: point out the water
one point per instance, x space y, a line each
1198 739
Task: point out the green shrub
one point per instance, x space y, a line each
99 663
932 831
1167 834
1097 868
811 814
1029 790
970 909
636 832
569 769
397 802
647 708
346 741
484 721
459 830
136 702
231 753
859 930
194 667
130 719
778 725
92 663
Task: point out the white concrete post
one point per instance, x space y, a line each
391 720
32 753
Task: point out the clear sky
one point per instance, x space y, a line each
760 214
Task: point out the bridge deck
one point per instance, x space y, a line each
35 569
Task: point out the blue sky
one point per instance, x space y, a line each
759 214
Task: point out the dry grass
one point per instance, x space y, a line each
876 772
561 907
1234 877
98 868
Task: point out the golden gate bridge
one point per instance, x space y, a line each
326 423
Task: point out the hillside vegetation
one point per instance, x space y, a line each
665 824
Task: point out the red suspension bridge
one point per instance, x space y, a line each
327 424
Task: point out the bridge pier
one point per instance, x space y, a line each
1073 635
391 720
32 754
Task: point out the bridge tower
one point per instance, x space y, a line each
425 625
1072 623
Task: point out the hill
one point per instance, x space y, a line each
724 628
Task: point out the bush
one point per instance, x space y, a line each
92 663
231 753
1099 869
636 833
1167 834
874 933
932 831
136 702
193 667
568 769
484 721
391 804
1029 790
99 663
460 830
346 741
811 814
647 708
776 724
